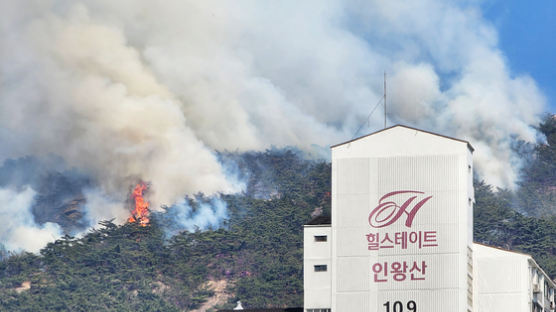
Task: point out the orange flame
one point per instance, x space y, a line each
141 211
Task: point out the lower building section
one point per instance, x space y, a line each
317 266
510 281
497 280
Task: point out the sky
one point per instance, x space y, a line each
527 32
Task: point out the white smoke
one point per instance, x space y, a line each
127 90
101 206
19 230
205 215
93 102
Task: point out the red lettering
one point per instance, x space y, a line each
388 212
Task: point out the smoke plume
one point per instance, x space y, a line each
194 214
19 231
137 90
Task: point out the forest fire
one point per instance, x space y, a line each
141 211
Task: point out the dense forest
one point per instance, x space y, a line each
256 253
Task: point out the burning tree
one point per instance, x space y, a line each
141 211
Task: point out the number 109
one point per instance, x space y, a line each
398 306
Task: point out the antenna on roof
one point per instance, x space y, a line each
368 120
384 99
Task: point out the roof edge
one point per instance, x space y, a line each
503 249
317 225
320 220
469 146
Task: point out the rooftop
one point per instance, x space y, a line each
320 220
530 259
267 310
407 127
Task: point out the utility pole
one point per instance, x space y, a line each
384 99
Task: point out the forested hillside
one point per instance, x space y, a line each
524 220
256 253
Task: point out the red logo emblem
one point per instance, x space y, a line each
387 212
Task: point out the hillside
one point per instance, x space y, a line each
257 251
256 254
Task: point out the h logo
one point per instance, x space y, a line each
387 212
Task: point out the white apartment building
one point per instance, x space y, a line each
400 238
317 264
510 281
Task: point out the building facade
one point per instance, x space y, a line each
510 281
317 263
400 238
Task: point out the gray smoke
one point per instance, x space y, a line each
137 90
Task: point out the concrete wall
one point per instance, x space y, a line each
419 165
501 280
429 179
507 281
317 294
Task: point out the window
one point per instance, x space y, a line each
320 268
320 238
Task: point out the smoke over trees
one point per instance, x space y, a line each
131 90
257 251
